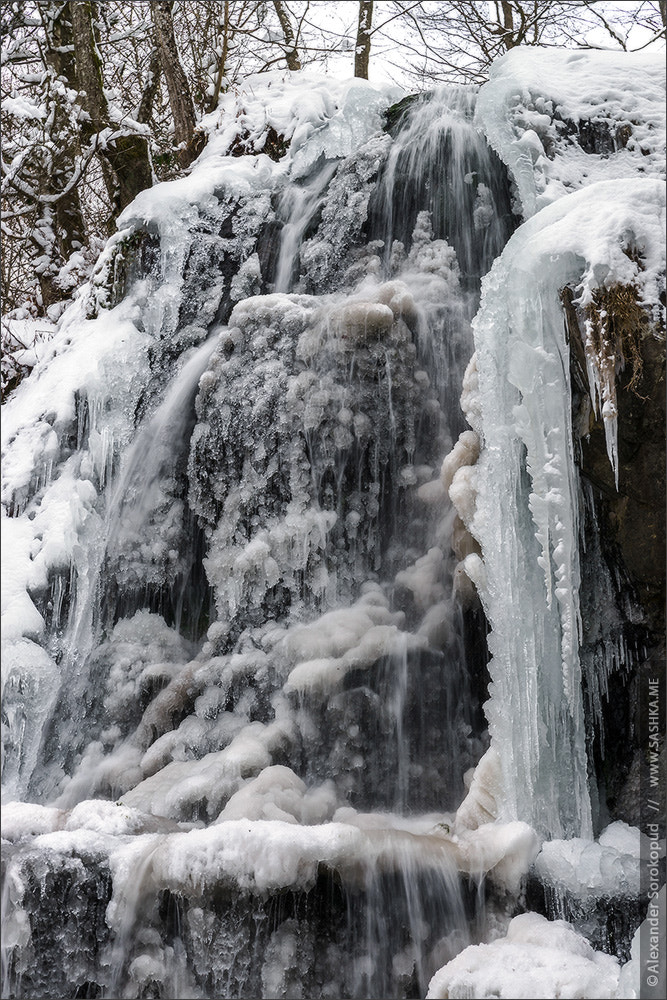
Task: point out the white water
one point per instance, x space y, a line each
442 157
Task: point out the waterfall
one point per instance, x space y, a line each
254 741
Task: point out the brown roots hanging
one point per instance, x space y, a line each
615 323
606 337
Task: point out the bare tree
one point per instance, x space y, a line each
180 98
457 40
362 49
59 57
96 95
42 163
125 152
621 21
291 53
59 229
53 153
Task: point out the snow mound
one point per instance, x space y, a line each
537 958
315 114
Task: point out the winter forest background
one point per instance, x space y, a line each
333 492
99 101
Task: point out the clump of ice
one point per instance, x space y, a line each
279 848
139 653
424 580
338 254
465 452
183 789
521 404
315 115
585 869
584 141
43 409
30 680
483 801
537 958
277 793
345 640
24 820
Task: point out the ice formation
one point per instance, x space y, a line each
517 397
244 746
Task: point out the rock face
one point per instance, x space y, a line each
627 528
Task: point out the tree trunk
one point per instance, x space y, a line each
222 62
125 158
89 69
180 98
509 40
145 109
362 49
65 219
59 55
291 53
663 12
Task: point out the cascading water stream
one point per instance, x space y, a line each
440 161
151 467
320 422
298 207
135 499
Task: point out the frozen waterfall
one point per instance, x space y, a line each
293 683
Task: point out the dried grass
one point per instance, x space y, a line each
616 322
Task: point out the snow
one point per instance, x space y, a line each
537 958
534 95
24 338
278 849
317 115
22 107
20 617
169 208
40 411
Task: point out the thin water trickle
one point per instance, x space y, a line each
154 455
134 499
299 206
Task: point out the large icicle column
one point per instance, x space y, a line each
588 234
517 395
